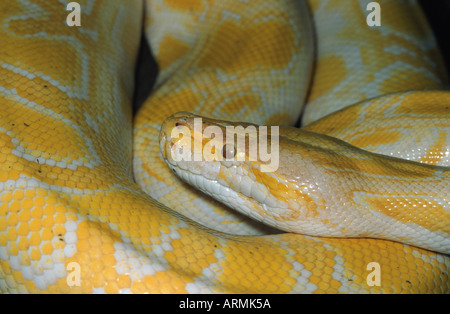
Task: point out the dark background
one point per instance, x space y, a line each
437 12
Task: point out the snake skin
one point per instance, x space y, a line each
82 181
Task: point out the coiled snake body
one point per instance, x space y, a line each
83 183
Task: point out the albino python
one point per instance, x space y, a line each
83 183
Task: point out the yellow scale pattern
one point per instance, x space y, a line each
67 191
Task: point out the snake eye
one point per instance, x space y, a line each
228 151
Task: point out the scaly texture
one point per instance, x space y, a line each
67 192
